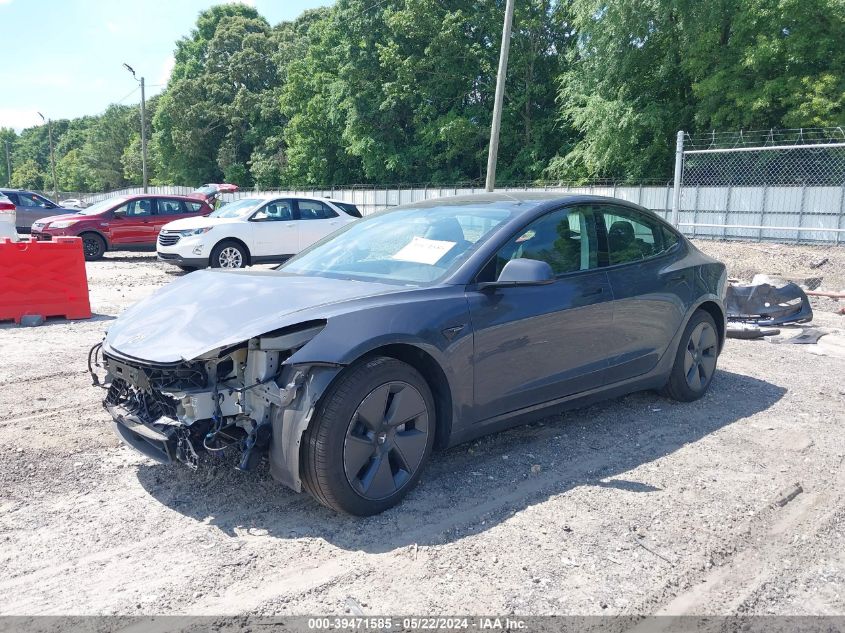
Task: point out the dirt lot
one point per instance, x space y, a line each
637 505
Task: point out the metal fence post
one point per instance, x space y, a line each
763 212
801 212
695 211
679 166
841 212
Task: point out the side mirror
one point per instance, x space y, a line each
119 213
522 272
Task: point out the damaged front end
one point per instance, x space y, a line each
245 398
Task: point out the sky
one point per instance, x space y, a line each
64 58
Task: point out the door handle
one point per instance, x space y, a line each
593 292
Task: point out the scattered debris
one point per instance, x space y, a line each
766 305
807 337
353 606
789 494
819 263
535 469
749 331
648 546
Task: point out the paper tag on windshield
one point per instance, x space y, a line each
424 251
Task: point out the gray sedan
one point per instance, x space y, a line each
416 328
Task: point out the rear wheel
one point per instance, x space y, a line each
695 362
371 437
228 255
93 246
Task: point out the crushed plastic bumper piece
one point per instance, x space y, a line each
767 305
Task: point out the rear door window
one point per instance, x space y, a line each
14 198
632 236
314 210
169 206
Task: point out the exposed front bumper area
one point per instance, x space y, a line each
243 400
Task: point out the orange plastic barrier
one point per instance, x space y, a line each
43 278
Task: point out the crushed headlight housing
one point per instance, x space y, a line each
188 232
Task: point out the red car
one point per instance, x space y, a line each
122 223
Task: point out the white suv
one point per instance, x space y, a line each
252 231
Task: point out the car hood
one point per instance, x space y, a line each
210 309
70 214
199 222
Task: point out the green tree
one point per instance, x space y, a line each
27 175
71 172
204 120
765 64
7 135
105 143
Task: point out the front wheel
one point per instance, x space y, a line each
93 246
228 255
695 362
370 439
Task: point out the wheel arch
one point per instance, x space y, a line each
99 234
715 311
237 241
433 374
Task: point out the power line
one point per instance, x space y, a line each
134 90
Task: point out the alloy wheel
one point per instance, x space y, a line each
91 246
700 356
386 440
230 257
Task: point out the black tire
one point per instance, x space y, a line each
229 254
355 458
695 361
93 246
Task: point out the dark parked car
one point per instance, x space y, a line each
418 327
121 223
31 206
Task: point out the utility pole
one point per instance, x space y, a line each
493 152
143 127
52 157
8 167
679 168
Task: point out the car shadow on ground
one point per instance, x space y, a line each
472 487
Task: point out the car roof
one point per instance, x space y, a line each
137 196
282 196
520 202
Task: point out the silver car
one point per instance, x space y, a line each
30 206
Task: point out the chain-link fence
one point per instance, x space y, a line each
783 185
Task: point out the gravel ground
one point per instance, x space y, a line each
637 505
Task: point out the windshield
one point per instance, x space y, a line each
237 209
103 205
413 246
